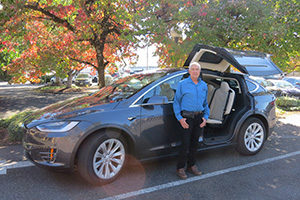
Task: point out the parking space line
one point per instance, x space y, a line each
4 165
197 178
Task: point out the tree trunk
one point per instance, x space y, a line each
101 64
69 80
99 43
101 77
58 81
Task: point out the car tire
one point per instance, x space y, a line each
251 137
102 157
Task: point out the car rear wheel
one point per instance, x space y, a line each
251 137
102 157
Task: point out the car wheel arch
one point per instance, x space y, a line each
248 115
251 137
264 121
126 134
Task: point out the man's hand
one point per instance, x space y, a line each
183 123
203 122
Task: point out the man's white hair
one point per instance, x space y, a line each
195 64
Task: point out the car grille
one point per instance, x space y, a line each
49 155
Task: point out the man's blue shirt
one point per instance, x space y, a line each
191 97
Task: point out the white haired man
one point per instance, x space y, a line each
191 110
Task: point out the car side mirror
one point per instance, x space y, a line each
157 100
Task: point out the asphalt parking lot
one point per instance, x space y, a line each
273 173
16 98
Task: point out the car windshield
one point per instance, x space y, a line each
83 76
125 87
268 83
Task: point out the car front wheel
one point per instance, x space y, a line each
251 136
102 157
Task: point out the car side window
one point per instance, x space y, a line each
251 86
165 88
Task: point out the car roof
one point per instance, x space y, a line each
275 80
295 78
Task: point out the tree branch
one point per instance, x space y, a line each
82 40
84 62
52 16
46 18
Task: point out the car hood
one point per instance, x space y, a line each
82 79
213 58
70 108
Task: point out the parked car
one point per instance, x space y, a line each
269 86
134 116
283 88
257 63
262 81
53 80
64 81
293 80
84 79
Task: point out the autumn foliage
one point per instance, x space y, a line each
64 35
38 36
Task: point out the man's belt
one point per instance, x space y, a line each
190 114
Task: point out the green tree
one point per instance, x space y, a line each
267 26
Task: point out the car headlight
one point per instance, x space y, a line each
57 126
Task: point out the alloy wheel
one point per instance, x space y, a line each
109 158
254 137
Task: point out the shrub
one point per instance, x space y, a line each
13 125
4 123
288 103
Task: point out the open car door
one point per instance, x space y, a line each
213 58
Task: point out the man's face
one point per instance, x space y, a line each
194 71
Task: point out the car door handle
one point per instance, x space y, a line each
131 118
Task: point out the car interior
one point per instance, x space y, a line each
226 100
227 97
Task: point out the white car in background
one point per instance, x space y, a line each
64 81
84 79
283 88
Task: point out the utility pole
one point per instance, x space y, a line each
147 58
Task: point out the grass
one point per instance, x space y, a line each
58 89
48 87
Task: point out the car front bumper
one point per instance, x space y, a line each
52 150
43 150
82 83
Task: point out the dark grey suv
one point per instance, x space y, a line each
134 116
